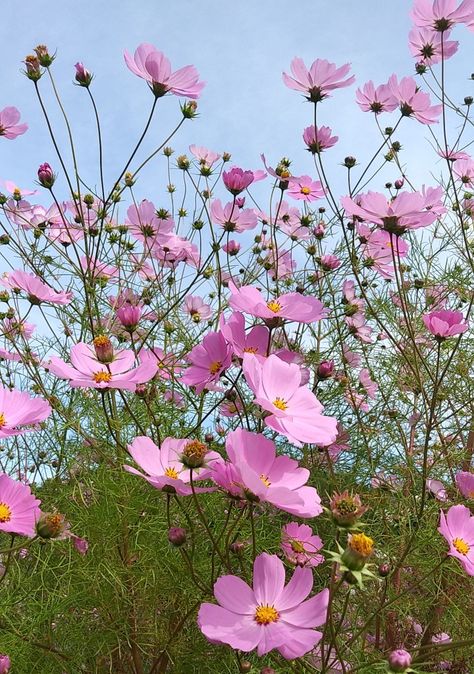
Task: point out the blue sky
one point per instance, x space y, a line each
240 50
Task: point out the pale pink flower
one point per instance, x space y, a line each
443 324
425 45
167 364
382 249
359 328
412 101
36 290
205 157
465 483
97 269
329 262
294 410
370 387
305 188
458 529
18 411
9 127
321 78
377 100
232 218
437 488
319 139
17 192
441 15
464 170
351 358
208 361
300 546
19 509
232 247
81 545
356 400
153 66
197 308
144 224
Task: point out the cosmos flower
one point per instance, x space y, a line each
300 546
37 291
305 189
9 127
376 99
443 324
207 362
19 509
321 78
18 411
465 483
457 526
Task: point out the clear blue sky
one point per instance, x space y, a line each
240 50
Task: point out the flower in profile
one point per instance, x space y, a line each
52 525
197 308
464 170
268 615
321 78
207 362
46 175
465 483
305 189
346 508
437 489
237 180
457 527
445 323
412 101
163 466
429 47
9 127
254 341
377 100
294 411
290 307
36 289
205 157
19 412
83 77
232 218
87 370
153 66
319 139
300 546
19 508
441 14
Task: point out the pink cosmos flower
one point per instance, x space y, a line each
464 170
167 364
412 102
81 545
237 180
359 328
351 358
18 409
232 247
129 315
232 218
377 100
254 341
35 288
9 127
17 192
163 465
294 410
329 262
382 249
356 400
208 361
319 138
458 529
370 387
153 66
269 615
441 14
256 472
305 189
144 224
97 269
425 45
290 307
445 323
87 371
300 546
197 308
19 509
322 78
465 483
5 664
437 488
205 157
279 264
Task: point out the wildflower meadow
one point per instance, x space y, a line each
237 410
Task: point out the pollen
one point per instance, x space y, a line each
265 480
274 306
296 546
101 340
264 615
305 190
195 449
3 421
461 546
172 473
101 376
5 513
280 403
251 349
215 367
362 544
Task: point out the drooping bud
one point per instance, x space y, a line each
51 525
399 183
399 660
350 162
83 77
325 369
46 176
104 349
177 536
346 508
194 454
359 549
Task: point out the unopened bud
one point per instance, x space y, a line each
51 525
104 349
46 176
194 453
399 660
83 77
177 536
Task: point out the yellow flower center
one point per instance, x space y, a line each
266 614
3 421
296 546
305 190
274 306
362 544
172 472
101 376
265 480
251 349
195 449
461 546
215 367
5 513
101 340
280 403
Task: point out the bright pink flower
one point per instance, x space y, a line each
153 66
232 218
197 308
208 361
82 76
35 288
300 546
319 138
129 315
268 615
87 371
319 80
458 529
5 664
18 409
80 544
412 102
441 14
290 307
380 99
163 465
144 224
445 323
167 364
19 509
237 180
465 483
256 340
304 188
9 127
294 410
406 211
425 45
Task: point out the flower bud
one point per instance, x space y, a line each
129 315
399 660
350 162
177 536
399 183
80 544
51 525
44 57
189 109
83 77
33 69
384 570
346 508
5 664
325 369
194 453
245 666
237 547
359 548
104 349
267 670
46 176
468 100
